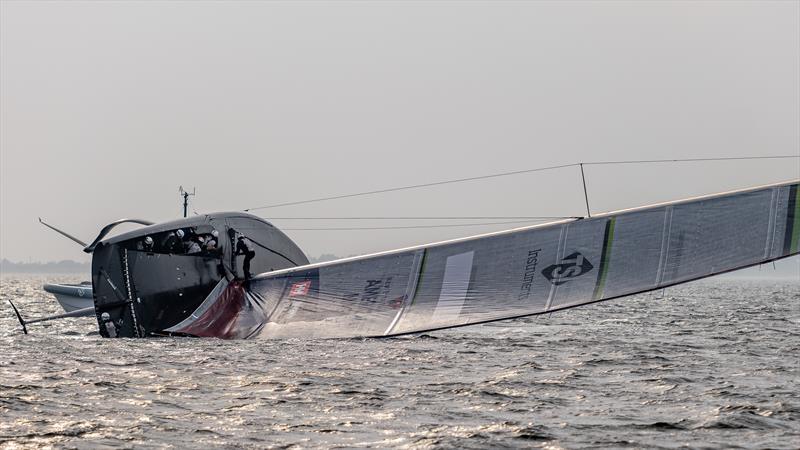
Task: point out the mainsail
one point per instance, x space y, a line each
508 274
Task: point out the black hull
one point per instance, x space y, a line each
140 291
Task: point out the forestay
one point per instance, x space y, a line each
509 274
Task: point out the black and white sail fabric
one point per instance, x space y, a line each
512 273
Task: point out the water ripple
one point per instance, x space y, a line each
712 365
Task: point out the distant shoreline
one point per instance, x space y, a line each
68 267
52 267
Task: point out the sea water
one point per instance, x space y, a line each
712 364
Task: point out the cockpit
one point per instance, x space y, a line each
202 240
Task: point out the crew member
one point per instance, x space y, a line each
245 247
211 241
173 243
194 245
111 328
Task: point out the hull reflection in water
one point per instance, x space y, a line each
509 274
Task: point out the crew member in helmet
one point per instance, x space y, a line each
173 243
245 247
195 245
211 241
148 244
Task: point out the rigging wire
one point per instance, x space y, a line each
647 161
516 172
413 186
424 218
406 227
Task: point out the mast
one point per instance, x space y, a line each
185 195
585 194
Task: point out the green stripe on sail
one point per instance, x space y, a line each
419 277
605 259
795 243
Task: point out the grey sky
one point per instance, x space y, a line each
108 107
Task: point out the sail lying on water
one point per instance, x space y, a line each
508 274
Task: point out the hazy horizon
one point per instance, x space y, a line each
106 108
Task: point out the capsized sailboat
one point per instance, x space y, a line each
496 276
153 281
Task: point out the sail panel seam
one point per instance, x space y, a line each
790 237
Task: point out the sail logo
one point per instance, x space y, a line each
376 290
570 267
530 271
299 289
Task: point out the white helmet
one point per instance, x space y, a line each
179 233
148 240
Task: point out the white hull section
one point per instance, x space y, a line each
72 297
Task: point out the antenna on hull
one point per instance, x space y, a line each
186 195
